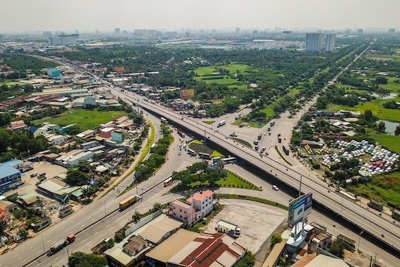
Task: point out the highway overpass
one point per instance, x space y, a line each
376 226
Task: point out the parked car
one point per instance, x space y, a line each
275 188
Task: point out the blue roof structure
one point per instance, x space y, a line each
6 170
12 162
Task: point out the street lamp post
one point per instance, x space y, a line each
44 250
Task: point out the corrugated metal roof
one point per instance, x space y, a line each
6 170
326 261
50 186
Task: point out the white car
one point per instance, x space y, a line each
275 188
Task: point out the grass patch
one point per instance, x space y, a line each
250 198
208 122
255 124
384 188
269 111
243 142
389 141
200 148
85 119
235 181
216 154
282 157
376 106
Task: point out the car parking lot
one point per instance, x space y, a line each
257 221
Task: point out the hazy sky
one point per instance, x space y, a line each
89 15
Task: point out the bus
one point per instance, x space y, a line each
163 120
216 160
204 155
229 160
168 182
191 152
221 123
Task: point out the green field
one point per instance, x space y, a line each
85 119
376 106
391 84
383 188
211 74
390 141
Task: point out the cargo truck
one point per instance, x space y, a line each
127 202
285 150
61 244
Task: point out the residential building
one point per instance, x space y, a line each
53 73
193 209
8 206
202 201
185 248
86 134
8 175
330 41
127 253
117 136
17 125
183 212
314 42
88 145
57 139
89 101
106 132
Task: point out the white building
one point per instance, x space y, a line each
330 41
72 158
63 39
314 42
57 139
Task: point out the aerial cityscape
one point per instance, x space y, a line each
212 134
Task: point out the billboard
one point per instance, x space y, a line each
187 94
299 209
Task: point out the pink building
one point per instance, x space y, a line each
194 208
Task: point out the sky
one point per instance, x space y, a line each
106 15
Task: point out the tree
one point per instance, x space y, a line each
397 131
368 115
77 177
157 206
136 216
337 249
381 127
275 239
81 259
381 80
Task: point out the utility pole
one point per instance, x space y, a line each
44 250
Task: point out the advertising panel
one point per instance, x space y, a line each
187 94
299 209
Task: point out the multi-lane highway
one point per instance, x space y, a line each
349 210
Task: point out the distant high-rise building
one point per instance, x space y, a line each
314 42
47 34
237 30
63 39
360 31
319 42
117 31
392 31
330 41
1 37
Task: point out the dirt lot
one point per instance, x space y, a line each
257 221
51 171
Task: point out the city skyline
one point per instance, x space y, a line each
91 15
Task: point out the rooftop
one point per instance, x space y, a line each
6 170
